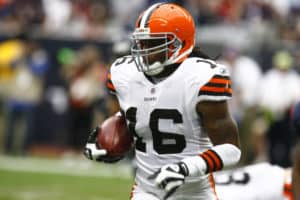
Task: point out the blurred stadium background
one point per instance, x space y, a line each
53 59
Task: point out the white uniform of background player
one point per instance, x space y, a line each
140 99
254 182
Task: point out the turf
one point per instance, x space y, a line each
37 186
45 185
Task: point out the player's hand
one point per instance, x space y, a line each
91 151
94 152
170 177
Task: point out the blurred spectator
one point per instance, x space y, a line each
21 16
279 91
10 50
282 7
289 30
295 117
123 12
85 78
230 10
97 21
24 93
281 140
246 75
297 60
204 11
75 24
57 13
280 86
77 19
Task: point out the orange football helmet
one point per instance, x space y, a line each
170 31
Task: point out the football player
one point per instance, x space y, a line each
258 181
296 161
175 103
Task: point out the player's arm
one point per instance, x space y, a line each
218 123
223 133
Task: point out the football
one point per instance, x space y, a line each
114 137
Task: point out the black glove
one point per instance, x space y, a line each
170 177
94 152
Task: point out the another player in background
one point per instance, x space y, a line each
263 181
296 157
258 181
175 101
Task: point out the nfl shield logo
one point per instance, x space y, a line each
152 91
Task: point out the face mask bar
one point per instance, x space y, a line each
169 49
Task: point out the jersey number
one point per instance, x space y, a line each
123 60
163 142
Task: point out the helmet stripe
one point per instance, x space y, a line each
147 15
139 22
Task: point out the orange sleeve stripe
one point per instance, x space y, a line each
212 160
287 186
216 89
287 191
217 86
219 80
218 161
110 86
209 162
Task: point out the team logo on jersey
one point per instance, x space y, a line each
152 90
149 98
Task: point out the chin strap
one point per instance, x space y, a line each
158 67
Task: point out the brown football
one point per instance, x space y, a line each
114 137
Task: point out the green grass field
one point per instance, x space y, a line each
65 182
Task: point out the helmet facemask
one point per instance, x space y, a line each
153 51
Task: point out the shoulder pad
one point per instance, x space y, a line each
119 73
213 79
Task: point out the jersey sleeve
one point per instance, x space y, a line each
217 87
119 77
109 84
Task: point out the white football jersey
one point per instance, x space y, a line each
254 182
163 118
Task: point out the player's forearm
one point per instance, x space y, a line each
214 159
